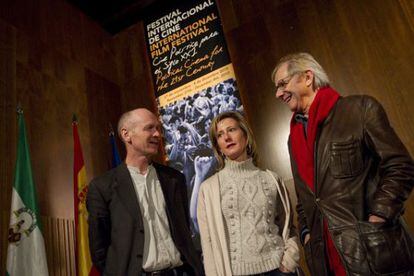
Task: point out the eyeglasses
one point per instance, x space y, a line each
284 82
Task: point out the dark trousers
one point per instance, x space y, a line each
184 270
276 272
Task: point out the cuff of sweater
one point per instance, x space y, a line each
289 265
291 257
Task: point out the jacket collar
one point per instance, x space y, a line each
166 181
125 188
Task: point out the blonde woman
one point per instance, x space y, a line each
243 212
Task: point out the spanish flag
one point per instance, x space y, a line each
80 188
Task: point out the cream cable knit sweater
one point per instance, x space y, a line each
237 207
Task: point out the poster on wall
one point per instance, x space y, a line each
193 81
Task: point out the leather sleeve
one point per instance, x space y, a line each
302 223
396 168
99 225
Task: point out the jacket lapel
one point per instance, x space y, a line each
167 184
126 192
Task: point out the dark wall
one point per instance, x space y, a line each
55 61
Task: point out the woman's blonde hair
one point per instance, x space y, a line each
251 144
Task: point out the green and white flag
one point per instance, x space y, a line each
26 253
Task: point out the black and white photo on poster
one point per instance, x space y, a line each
186 131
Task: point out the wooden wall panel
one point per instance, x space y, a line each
104 106
4 222
7 128
48 53
134 69
59 237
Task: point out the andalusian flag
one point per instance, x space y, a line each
26 254
83 257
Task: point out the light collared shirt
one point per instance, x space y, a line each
160 251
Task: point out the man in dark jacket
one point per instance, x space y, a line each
138 212
352 175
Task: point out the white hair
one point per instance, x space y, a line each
301 62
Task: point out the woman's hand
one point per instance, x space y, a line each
283 269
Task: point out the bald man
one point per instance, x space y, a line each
138 212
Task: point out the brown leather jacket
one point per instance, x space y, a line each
361 168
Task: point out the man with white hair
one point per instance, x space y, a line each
352 175
138 212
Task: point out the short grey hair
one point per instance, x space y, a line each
123 121
301 62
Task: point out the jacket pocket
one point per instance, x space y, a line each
389 247
351 249
345 159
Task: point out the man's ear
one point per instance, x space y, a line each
309 77
125 135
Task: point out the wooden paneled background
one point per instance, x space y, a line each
55 61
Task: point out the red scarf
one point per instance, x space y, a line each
302 147
303 154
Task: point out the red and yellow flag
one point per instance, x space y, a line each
80 188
